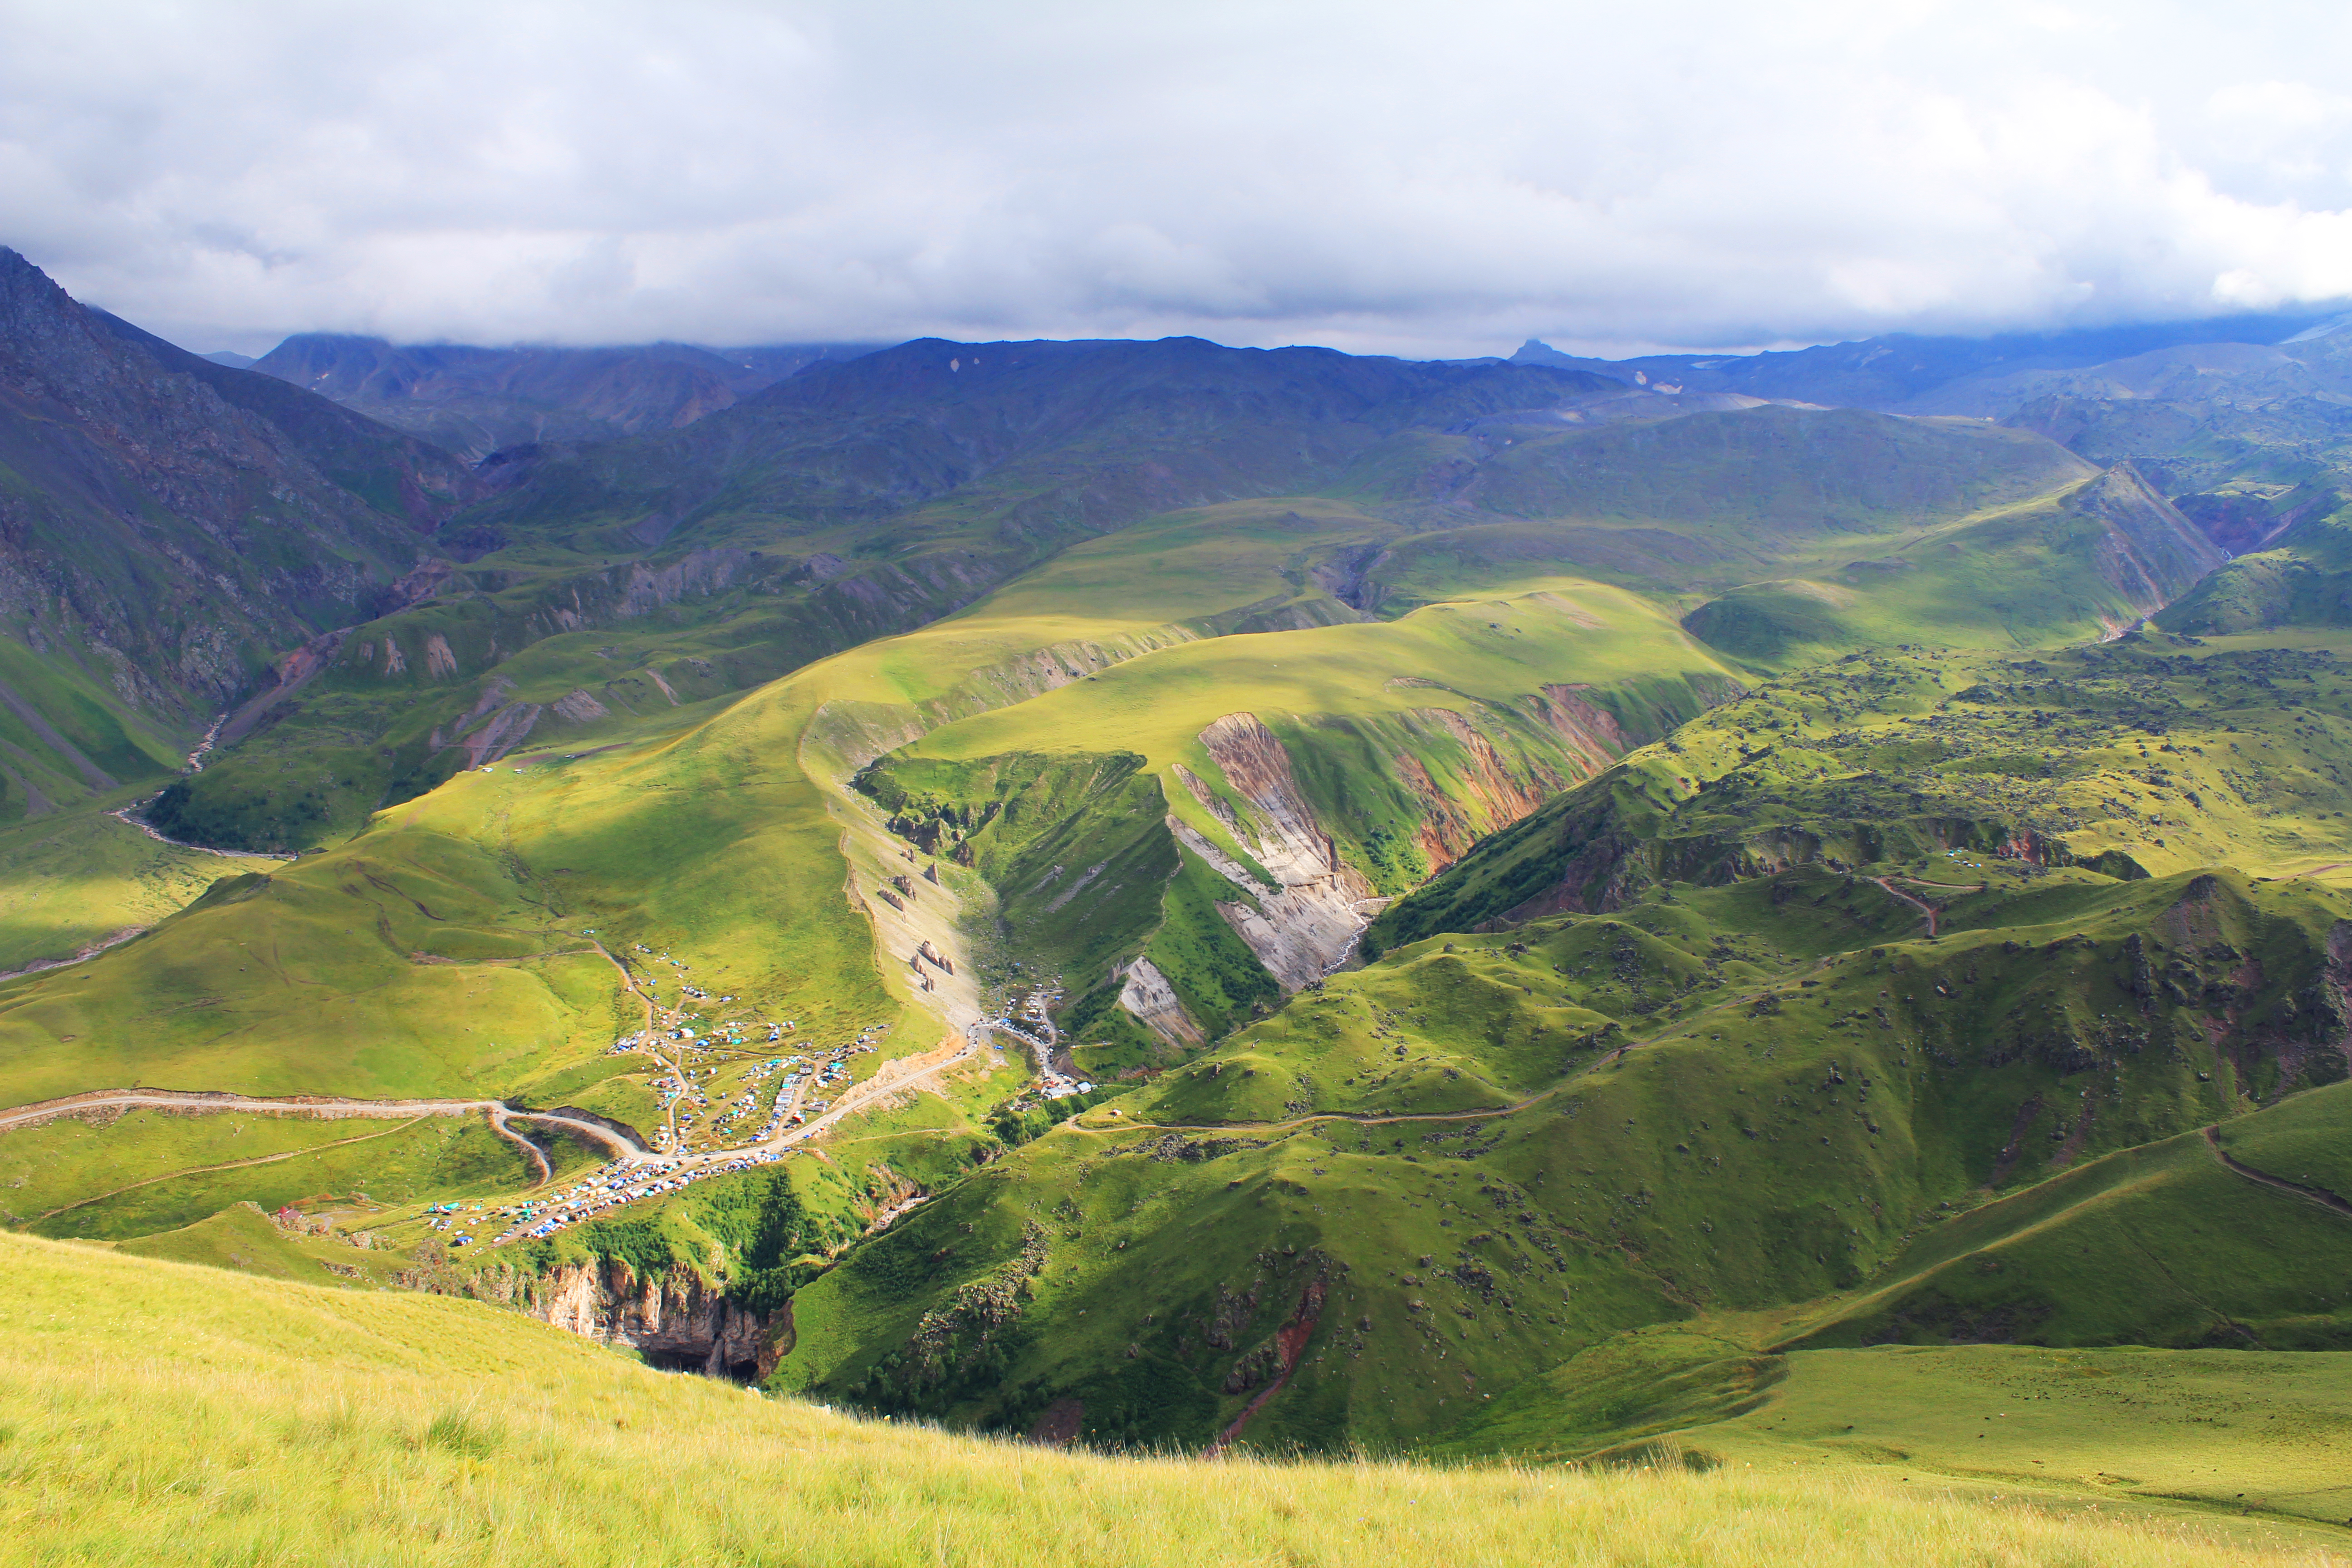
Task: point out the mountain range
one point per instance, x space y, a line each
1165 896
476 400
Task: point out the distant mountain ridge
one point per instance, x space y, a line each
1905 372
474 400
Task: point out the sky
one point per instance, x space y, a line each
1429 179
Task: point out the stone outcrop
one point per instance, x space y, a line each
1147 994
1302 926
677 1320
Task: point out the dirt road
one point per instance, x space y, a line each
328 1107
1925 908
894 1076
2319 1196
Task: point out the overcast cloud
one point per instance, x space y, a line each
1428 179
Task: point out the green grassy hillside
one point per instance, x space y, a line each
82 877
1399 743
1748 1082
2237 1431
2147 754
1455 1169
308 1424
2303 580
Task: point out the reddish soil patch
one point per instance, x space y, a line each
1059 1426
1291 1339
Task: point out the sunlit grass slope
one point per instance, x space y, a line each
2085 562
78 878
276 1422
1452 655
150 1171
2057 556
412 962
2238 1431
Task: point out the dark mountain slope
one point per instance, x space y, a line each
167 527
396 473
1038 437
1767 472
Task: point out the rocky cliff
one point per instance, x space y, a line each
677 1320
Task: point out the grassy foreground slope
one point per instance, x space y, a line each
2238 1431
300 1425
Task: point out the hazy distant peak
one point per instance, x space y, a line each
2323 330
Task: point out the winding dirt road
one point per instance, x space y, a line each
1925 908
327 1107
2319 1196
895 1076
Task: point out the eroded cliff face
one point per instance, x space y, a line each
1148 994
677 1320
1304 922
2150 553
1303 926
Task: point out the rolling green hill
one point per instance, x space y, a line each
2303 580
1747 1093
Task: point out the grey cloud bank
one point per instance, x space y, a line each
1424 180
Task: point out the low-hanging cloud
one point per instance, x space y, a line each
1417 179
